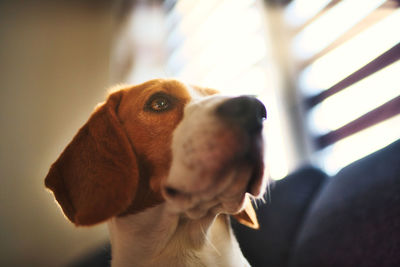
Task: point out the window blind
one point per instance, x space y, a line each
348 75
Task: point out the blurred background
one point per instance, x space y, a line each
327 70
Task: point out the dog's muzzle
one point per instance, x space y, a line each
223 149
248 113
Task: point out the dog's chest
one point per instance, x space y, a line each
155 238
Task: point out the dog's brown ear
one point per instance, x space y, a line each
248 215
96 176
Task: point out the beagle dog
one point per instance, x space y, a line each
165 164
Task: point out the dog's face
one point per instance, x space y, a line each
162 140
217 156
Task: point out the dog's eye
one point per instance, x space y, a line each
159 104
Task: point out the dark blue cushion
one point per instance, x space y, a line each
355 220
279 219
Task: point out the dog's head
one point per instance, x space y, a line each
162 140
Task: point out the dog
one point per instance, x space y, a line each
165 164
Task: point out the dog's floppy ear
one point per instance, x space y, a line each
248 215
96 176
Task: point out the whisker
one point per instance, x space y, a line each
263 200
267 193
260 201
254 201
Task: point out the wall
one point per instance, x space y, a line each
54 68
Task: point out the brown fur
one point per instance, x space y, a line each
96 177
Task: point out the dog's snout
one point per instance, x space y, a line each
246 111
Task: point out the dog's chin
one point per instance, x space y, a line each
224 191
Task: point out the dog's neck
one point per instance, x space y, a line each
156 237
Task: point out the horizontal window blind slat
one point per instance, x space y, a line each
381 113
390 56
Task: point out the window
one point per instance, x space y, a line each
348 73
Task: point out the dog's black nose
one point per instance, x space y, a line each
246 111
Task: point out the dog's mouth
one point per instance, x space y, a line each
256 157
250 158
